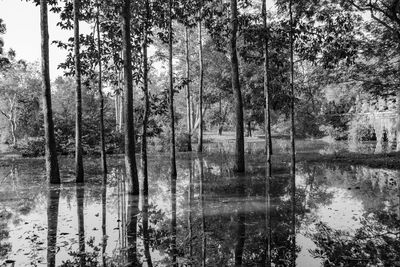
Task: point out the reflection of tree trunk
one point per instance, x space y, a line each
173 223
104 222
131 230
146 236
241 228
52 170
200 138
190 200
100 88
239 152
292 137
130 161
267 255
203 219
52 221
80 196
78 122
188 97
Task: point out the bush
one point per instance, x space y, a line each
34 147
182 142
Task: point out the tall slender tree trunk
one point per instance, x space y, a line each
239 153
147 103
130 161
100 88
267 114
145 202
78 100
268 137
171 95
292 136
201 81
172 149
188 95
52 170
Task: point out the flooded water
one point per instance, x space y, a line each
344 216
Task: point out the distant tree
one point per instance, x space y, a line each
52 170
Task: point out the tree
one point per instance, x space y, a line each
267 123
130 161
201 81
100 89
171 92
188 95
146 97
239 150
78 121
292 135
52 170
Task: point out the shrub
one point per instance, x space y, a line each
34 147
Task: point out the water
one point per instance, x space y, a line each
345 215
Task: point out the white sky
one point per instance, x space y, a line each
22 20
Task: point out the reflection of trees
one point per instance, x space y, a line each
52 221
376 243
173 223
241 220
80 196
104 221
131 226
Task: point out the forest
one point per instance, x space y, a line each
204 133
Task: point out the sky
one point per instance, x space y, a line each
22 20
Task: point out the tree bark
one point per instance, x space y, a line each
292 137
147 103
267 114
201 81
52 170
188 96
145 202
130 161
172 149
239 151
171 95
100 88
78 99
